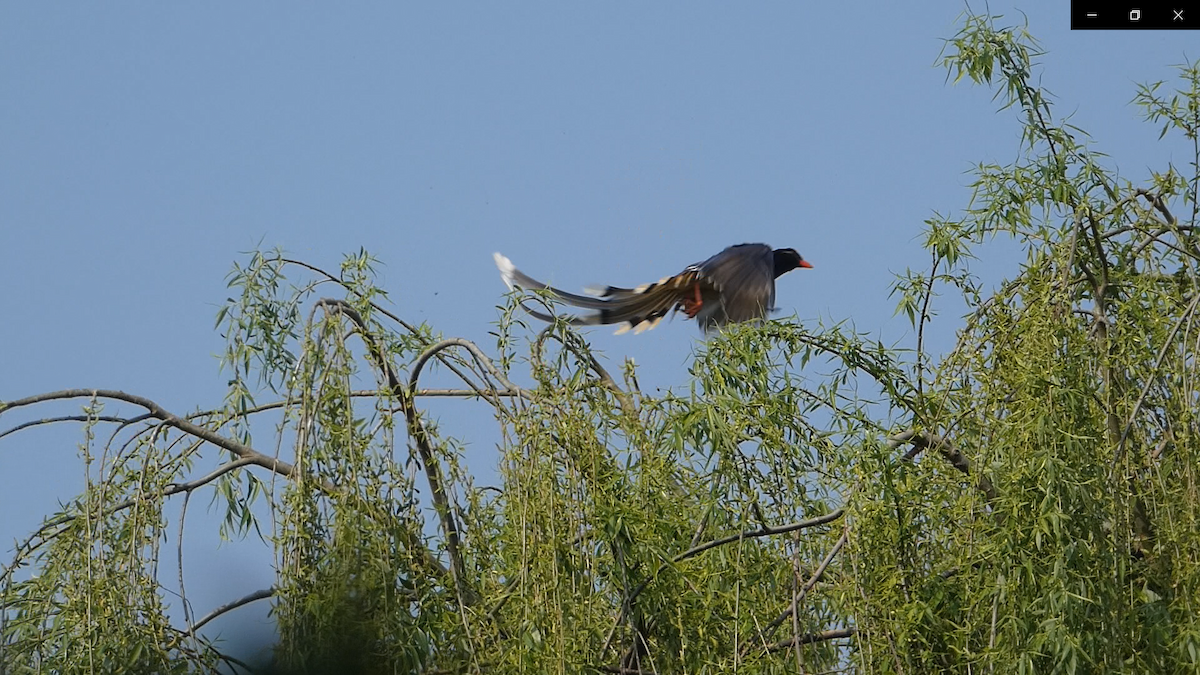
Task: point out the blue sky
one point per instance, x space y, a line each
145 147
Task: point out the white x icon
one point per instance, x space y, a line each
1178 14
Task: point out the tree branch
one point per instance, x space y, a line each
364 393
480 359
170 419
1157 201
761 532
922 440
809 638
922 321
74 418
229 607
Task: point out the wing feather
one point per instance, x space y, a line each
744 276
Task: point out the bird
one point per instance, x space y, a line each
737 284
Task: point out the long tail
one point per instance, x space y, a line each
638 308
515 278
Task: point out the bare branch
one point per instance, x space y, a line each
1157 201
809 638
480 359
75 418
937 259
229 607
621 670
363 393
467 393
762 532
188 617
1154 237
158 412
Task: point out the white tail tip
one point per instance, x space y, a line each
506 269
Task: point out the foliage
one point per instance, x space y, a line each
815 500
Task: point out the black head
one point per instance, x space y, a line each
787 259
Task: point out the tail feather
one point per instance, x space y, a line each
609 292
639 309
507 269
515 278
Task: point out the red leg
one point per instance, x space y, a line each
691 306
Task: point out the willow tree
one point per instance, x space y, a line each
814 501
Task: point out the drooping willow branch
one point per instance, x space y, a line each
173 489
245 454
1150 379
419 435
124 421
742 536
377 308
623 398
29 542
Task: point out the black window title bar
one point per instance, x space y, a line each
1152 15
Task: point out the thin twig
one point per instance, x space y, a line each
73 418
812 581
992 632
761 532
1162 353
921 323
1157 201
183 600
362 393
480 359
797 651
